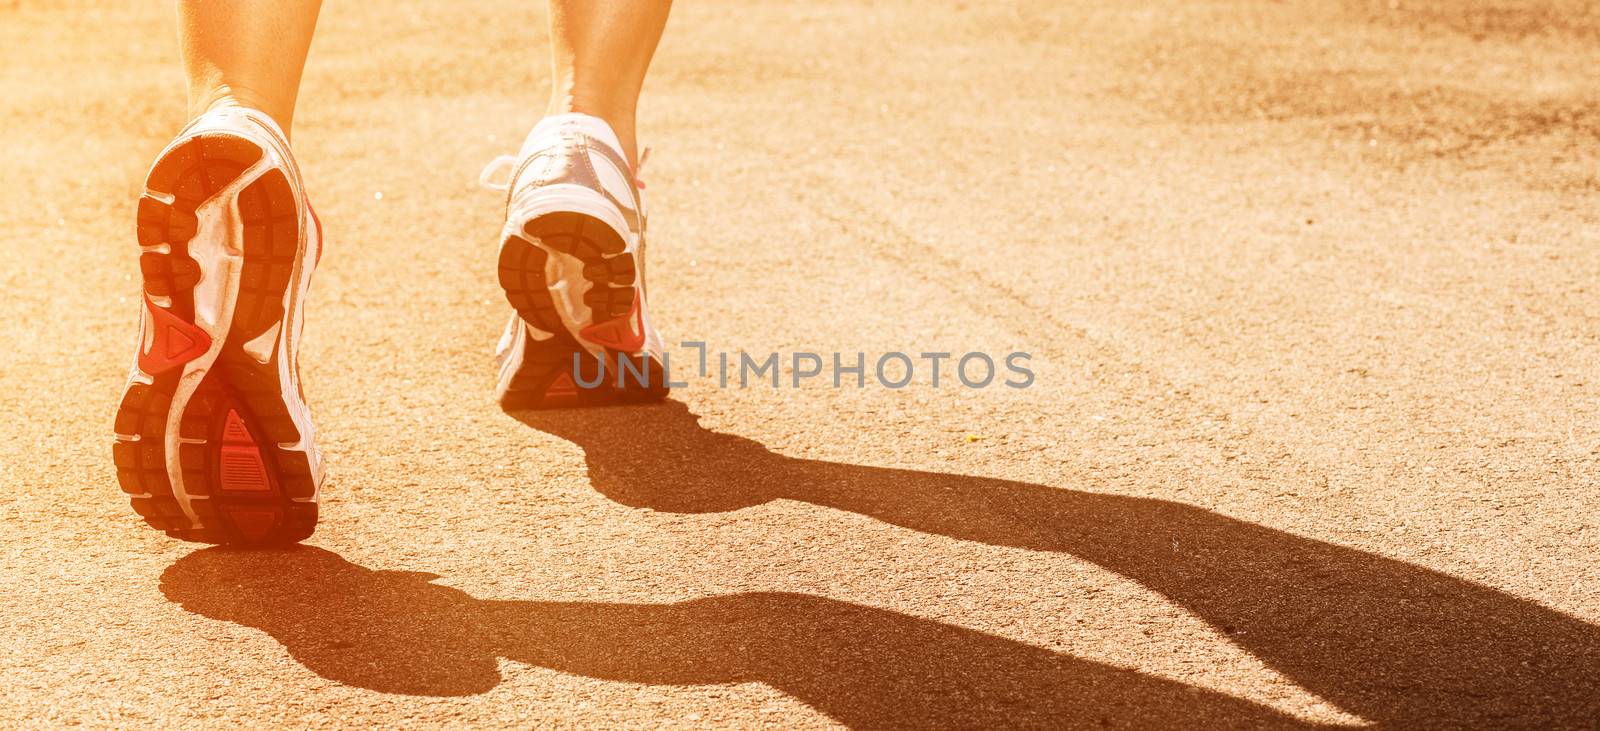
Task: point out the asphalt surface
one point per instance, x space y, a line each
1310 290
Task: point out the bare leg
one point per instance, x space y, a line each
246 53
600 52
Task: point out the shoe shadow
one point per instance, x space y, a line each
397 632
1390 642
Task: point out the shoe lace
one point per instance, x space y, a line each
638 170
502 165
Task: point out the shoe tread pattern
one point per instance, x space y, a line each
185 177
612 277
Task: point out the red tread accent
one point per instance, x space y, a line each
241 467
254 523
174 341
625 333
234 431
562 387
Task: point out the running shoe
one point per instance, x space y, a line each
213 437
572 266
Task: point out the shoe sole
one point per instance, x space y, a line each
199 442
545 378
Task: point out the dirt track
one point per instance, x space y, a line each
1312 290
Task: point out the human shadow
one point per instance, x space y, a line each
398 632
1393 643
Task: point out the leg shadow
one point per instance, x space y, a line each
1391 642
397 632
